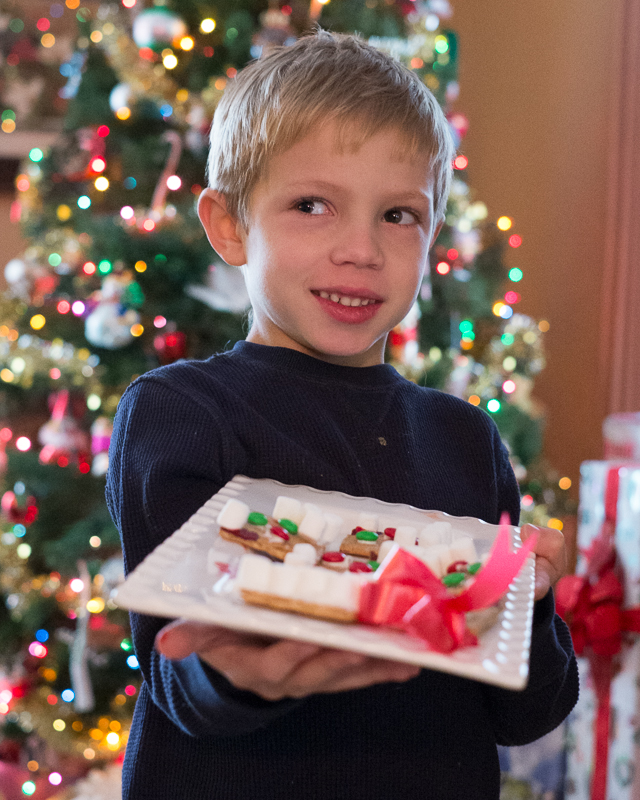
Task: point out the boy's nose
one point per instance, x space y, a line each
358 245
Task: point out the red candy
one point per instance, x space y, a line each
333 557
280 532
243 533
360 566
458 566
390 532
357 528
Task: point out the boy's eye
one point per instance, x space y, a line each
311 206
400 216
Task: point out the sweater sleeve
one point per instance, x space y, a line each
520 717
168 455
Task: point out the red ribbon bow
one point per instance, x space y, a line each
406 594
591 604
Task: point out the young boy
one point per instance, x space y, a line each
329 171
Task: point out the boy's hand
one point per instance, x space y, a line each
551 561
277 668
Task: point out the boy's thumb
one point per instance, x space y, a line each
179 639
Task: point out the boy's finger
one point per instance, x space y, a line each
181 638
250 667
368 673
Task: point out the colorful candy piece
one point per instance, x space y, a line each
256 518
289 525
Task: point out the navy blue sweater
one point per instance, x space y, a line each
181 433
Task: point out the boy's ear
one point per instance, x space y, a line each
221 227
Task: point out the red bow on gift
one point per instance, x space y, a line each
406 594
591 604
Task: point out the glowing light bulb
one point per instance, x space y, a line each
126 212
101 183
208 25
564 483
493 406
174 182
37 322
170 62
443 268
98 165
504 223
187 43
515 240
460 162
76 585
509 387
78 308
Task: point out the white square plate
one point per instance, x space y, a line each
174 581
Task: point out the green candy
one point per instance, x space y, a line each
256 518
473 568
453 578
374 565
288 525
367 536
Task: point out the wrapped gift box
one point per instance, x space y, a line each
610 491
622 436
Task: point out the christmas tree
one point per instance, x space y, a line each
119 278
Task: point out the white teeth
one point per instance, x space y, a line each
345 301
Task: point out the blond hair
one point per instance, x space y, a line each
325 77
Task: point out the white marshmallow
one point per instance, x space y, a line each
405 536
428 536
464 549
333 531
343 590
303 554
437 558
254 572
442 530
313 585
312 524
234 515
285 580
367 521
288 508
384 549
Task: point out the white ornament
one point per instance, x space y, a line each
225 289
109 324
120 96
157 26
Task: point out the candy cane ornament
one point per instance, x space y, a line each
160 194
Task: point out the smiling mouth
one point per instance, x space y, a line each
346 300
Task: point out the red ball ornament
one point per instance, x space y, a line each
170 346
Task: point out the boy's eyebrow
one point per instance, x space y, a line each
407 196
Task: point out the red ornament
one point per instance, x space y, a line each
170 346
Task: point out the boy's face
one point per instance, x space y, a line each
337 246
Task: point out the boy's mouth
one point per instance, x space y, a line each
346 299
